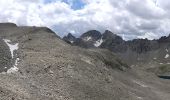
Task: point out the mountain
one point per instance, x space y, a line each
133 52
91 35
94 38
69 38
41 66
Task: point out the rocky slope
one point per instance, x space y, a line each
44 67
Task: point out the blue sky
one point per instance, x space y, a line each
75 4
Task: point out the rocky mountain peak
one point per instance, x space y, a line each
109 35
69 38
92 35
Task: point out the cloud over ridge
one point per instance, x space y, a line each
129 18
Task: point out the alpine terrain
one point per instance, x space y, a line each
36 64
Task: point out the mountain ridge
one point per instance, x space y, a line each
136 52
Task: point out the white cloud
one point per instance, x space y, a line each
148 35
133 18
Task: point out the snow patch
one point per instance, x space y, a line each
87 38
12 47
14 68
72 42
166 56
166 50
98 43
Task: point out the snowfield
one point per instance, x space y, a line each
166 56
12 47
98 43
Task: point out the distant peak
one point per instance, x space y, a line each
107 31
69 38
91 33
70 35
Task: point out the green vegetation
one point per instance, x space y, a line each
164 69
110 59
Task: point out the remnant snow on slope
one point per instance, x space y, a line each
12 47
71 42
14 68
166 56
98 43
87 38
140 83
166 50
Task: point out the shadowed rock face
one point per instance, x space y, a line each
113 42
5 57
69 38
93 35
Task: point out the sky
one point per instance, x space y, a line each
127 18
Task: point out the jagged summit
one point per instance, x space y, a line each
108 34
92 38
69 38
91 35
